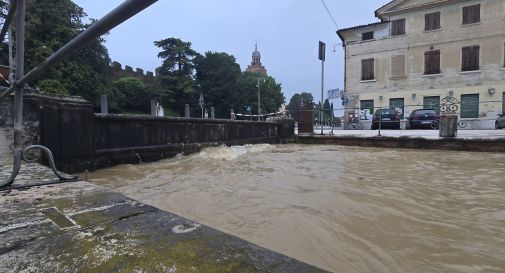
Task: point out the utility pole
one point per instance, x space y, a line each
259 98
322 57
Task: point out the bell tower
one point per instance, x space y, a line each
256 62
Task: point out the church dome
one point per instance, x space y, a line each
256 53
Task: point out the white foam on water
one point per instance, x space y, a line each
226 153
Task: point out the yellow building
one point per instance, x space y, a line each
424 50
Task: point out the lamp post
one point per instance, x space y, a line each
262 80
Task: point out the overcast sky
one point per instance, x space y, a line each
287 31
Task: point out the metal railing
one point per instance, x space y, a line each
123 12
363 119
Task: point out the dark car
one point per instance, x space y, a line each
386 119
423 119
500 122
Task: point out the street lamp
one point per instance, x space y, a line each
262 80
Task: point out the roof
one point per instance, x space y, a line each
339 32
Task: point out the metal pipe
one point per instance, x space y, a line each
8 20
321 114
20 63
123 12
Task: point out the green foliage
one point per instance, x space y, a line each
272 97
296 100
50 24
217 75
130 94
53 87
177 86
178 57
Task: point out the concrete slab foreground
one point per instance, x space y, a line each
80 227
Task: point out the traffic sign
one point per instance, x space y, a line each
201 100
322 51
333 94
345 101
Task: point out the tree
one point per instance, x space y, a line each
177 85
53 87
272 97
50 24
130 94
217 75
296 100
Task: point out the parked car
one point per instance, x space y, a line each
386 119
500 122
423 119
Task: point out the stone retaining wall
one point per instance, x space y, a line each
81 140
450 144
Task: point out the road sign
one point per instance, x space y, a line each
248 108
333 94
201 100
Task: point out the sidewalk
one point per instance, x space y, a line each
426 134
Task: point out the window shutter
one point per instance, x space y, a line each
470 106
465 61
432 21
471 14
398 27
475 58
432 62
367 69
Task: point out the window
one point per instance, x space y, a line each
398 105
367 36
366 107
398 66
470 106
470 58
432 103
367 69
432 21
471 14
398 27
432 62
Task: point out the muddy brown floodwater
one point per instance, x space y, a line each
343 209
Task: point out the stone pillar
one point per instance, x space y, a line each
448 126
186 111
154 107
212 113
104 105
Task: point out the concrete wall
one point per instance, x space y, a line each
489 34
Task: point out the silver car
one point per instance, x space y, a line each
500 122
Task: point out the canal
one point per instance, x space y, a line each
344 209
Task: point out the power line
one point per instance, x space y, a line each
329 13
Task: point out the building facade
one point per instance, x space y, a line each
256 65
424 50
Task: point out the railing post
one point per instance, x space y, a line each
187 113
